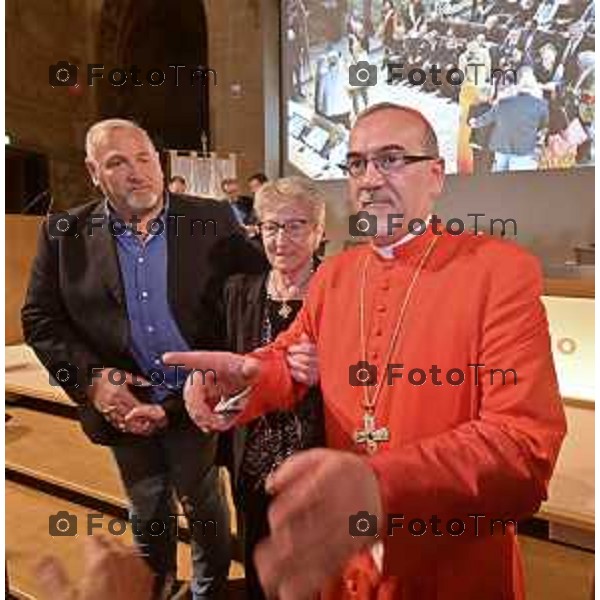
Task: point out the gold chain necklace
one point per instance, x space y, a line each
370 434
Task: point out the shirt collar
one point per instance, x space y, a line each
387 252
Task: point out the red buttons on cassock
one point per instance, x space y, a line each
352 586
381 308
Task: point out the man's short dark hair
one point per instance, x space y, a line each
260 177
179 178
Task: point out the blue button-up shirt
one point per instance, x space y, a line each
152 326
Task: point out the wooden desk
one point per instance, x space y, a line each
573 287
571 495
26 376
563 516
53 449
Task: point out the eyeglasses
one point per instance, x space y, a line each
385 162
295 229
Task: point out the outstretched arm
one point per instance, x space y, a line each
270 378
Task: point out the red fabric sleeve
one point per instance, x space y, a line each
274 388
500 464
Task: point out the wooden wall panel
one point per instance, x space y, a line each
21 244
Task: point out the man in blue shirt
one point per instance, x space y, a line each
519 124
138 274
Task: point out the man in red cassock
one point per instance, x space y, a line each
442 409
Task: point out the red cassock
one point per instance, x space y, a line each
484 446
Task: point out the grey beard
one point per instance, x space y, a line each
146 202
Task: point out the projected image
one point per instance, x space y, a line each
507 84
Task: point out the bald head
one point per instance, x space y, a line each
403 114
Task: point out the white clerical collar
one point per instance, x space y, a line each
387 252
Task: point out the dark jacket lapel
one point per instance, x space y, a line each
103 254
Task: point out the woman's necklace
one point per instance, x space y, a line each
287 292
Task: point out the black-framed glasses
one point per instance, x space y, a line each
385 162
295 228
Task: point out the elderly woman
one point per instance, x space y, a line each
291 214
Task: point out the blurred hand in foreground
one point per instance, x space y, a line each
112 571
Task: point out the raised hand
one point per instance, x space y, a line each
214 376
303 362
315 493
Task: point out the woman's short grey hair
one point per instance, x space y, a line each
291 191
98 130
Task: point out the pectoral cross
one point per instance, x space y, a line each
370 435
285 311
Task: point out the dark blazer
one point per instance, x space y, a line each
243 301
75 310
517 121
243 306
